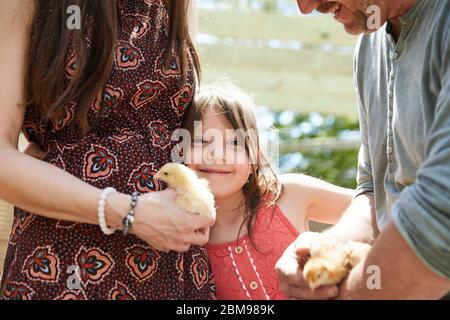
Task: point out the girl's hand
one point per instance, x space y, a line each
165 226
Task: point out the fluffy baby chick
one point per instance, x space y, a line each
193 194
330 263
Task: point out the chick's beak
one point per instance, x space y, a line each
313 285
309 277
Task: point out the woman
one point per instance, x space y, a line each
102 103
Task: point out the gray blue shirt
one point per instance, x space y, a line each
403 90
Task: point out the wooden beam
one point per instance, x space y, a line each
318 144
6 212
310 30
283 79
311 61
309 79
6 218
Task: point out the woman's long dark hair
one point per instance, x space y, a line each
48 88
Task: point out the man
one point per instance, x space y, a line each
402 203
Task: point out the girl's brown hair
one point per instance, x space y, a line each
237 107
48 88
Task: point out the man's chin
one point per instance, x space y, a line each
356 30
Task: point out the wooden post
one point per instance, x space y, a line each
6 218
193 18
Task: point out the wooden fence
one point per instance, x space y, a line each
289 62
5 228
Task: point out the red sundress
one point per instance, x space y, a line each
245 272
142 103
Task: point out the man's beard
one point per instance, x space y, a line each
359 24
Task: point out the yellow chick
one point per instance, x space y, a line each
193 194
330 264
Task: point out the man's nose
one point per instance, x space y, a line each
308 6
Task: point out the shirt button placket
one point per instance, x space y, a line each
389 144
394 55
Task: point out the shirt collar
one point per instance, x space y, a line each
412 13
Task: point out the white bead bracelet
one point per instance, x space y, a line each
101 211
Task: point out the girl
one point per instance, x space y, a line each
258 213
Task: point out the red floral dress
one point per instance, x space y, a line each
140 106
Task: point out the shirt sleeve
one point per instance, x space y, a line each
422 212
364 177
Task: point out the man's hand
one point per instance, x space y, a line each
402 275
289 269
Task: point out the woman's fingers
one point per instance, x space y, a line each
200 237
167 225
182 247
201 222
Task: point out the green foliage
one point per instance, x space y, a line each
335 166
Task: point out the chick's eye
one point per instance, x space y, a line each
165 173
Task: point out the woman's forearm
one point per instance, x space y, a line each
41 188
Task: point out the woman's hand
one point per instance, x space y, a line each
165 226
160 222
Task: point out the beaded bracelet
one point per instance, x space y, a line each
129 219
101 211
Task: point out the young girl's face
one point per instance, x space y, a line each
228 169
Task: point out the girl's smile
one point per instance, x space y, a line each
214 171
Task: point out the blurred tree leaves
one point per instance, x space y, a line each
335 166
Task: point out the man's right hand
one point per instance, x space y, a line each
289 269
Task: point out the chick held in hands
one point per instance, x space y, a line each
330 263
193 194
